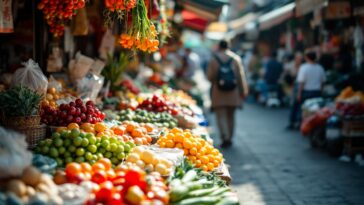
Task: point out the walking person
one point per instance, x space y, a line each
310 81
229 88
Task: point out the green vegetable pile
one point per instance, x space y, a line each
191 186
142 116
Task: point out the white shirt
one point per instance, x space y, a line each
312 76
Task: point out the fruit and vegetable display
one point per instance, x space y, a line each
202 154
76 111
158 104
144 116
75 146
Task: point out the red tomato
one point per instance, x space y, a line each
105 192
115 199
99 177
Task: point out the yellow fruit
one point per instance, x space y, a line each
178 138
179 145
140 164
198 163
156 161
204 159
72 126
216 163
170 136
162 144
133 157
148 156
161 168
166 162
149 167
100 127
187 144
139 150
193 151
210 166
169 143
49 97
185 151
192 159
204 167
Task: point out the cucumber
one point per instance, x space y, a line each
220 191
178 193
199 184
191 175
202 192
206 200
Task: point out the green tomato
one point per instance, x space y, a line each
56 135
105 143
75 132
113 147
127 148
120 149
121 156
58 142
92 139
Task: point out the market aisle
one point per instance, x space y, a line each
271 166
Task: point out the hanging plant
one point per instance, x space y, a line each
116 9
163 24
58 12
141 34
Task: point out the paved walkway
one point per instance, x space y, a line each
272 166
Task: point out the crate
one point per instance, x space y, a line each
353 128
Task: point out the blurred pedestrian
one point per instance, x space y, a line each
229 88
310 81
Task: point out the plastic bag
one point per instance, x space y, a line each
89 87
79 67
14 156
31 76
107 46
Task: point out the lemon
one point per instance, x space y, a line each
148 156
140 164
166 162
133 157
139 150
162 169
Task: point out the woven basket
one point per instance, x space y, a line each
23 121
33 134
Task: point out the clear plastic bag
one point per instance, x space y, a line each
31 76
79 67
14 156
90 86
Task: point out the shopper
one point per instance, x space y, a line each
229 88
310 80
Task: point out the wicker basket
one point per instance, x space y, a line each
23 121
33 134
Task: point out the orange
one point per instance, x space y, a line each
138 141
73 169
137 133
118 130
216 163
148 139
204 159
176 130
98 167
215 152
106 162
59 129
170 136
202 150
52 90
193 151
179 145
188 135
100 134
162 144
192 159
130 127
185 151
198 163
204 167
86 167
210 166
72 126
149 127
169 143
187 144
100 127
178 137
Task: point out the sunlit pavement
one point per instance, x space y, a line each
272 166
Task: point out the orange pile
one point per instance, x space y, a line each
196 149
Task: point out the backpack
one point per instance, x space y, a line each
226 79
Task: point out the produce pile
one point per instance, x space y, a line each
137 154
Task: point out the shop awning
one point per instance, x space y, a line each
304 7
276 16
238 25
193 21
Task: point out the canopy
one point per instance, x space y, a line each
276 16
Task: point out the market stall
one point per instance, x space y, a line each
108 130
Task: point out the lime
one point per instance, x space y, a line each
45 150
89 156
114 160
67 154
121 156
80 159
95 157
113 147
127 148
80 152
92 161
104 138
105 143
53 152
58 142
85 142
75 132
64 133
61 150
120 149
99 155
48 142
56 135
113 140
108 155
67 142
77 141
92 148
71 148
102 150
92 139
68 160
82 134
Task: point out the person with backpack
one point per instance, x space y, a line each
229 88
